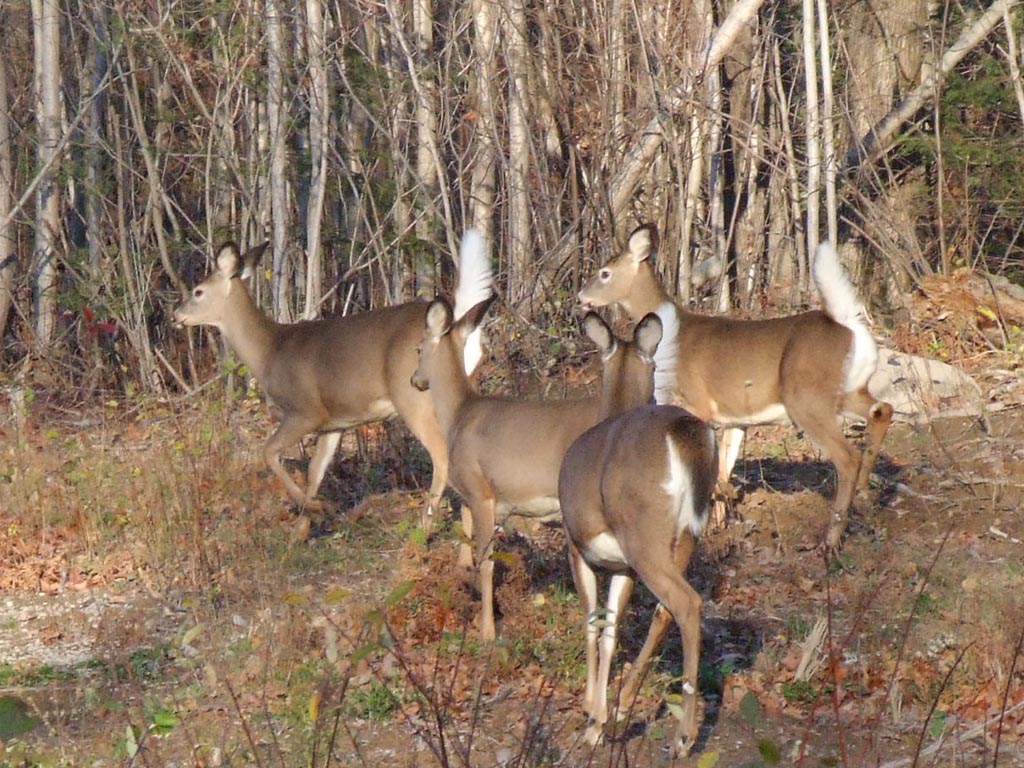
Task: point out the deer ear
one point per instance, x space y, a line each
252 258
641 242
648 334
475 314
597 331
229 264
439 318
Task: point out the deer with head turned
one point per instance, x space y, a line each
634 492
808 369
325 376
504 454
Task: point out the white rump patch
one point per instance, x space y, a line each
844 306
679 487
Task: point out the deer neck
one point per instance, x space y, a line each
646 293
449 385
249 332
626 384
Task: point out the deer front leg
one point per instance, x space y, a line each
326 445
483 534
729 450
660 623
289 432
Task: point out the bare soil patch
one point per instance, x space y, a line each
155 609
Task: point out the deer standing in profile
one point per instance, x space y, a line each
809 368
504 454
328 375
634 492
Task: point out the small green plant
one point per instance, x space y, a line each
799 692
375 701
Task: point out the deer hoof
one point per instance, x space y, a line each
681 746
594 734
298 529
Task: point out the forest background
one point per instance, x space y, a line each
361 137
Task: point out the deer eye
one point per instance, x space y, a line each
197 293
606 274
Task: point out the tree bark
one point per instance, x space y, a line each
518 247
8 254
46 23
319 126
276 117
484 167
875 141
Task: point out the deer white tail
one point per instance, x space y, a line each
666 357
844 306
474 285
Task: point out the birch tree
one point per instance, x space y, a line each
8 254
483 168
277 121
46 27
518 247
319 125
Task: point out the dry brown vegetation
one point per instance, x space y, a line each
158 609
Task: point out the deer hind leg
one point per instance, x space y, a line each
821 426
878 416
729 450
418 415
668 584
660 623
619 590
292 428
585 579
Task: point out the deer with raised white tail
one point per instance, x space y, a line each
328 375
635 492
504 454
808 369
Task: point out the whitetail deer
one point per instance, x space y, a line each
504 454
634 492
328 375
808 368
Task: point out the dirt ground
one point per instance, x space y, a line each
158 608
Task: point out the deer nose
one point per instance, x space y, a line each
419 382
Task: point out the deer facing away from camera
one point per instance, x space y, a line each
329 375
504 454
809 368
634 492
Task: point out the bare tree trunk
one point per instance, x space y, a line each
8 255
426 136
877 138
276 117
319 126
46 23
828 124
485 130
792 185
96 171
623 183
518 247
813 129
